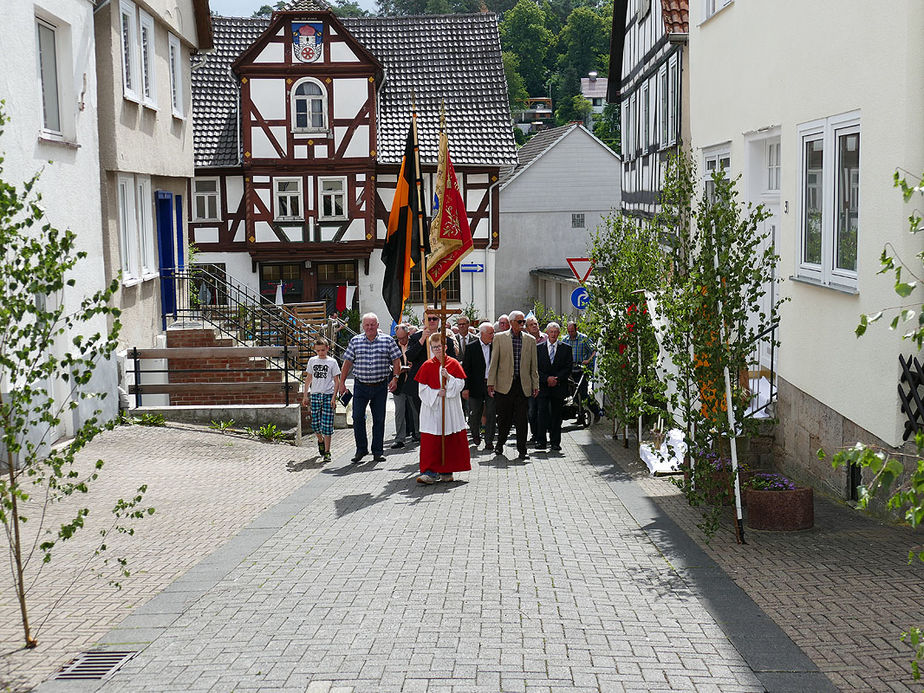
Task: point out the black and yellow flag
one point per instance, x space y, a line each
402 244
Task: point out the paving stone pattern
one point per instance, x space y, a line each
205 488
519 577
842 591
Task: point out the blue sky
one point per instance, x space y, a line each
245 8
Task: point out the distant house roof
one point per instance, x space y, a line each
676 15
423 54
307 6
538 145
593 88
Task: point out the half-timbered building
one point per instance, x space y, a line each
648 52
300 124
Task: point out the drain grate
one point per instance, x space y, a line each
95 665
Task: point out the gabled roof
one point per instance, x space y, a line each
676 15
539 144
307 6
451 58
456 58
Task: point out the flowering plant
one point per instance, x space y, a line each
770 482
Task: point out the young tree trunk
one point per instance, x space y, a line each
17 555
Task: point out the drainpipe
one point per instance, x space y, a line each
203 55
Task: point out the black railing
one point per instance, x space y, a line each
221 381
763 354
238 312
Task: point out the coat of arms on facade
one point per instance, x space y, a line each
307 41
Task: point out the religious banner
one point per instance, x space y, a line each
307 41
450 236
403 239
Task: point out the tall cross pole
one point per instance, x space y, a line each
443 312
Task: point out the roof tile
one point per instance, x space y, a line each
422 53
676 15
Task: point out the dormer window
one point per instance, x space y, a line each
309 106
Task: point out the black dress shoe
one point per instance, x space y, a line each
499 450
523 456
378 458
357 457
540 446
557 448
397 444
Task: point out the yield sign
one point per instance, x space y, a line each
581 266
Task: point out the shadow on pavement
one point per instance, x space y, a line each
304 465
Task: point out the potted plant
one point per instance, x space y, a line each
775 503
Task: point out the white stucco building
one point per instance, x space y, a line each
816 110
143 54
565 182
49 85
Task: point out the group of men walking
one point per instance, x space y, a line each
515 377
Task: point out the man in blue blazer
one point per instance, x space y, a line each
554 362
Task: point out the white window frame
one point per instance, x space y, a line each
175 68
148 57
646 118
322 195
715 158
277 196
827 130
144 204
663 105
128 21
773 170
623 141
206 196
673 108
53 72
711 7
323 98
128 229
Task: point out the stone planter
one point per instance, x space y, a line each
720 486
781 511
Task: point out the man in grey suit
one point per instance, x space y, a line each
513 377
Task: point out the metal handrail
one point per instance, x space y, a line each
239 313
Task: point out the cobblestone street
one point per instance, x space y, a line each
263 571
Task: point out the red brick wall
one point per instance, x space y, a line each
223 369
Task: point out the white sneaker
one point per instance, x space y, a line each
428 477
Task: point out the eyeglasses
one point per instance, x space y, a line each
521 322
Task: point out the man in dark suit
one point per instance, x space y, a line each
463 339
554 363
475 364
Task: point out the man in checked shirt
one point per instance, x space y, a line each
375 361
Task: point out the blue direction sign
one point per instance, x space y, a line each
472 267
580 298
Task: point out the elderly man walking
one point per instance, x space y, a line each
513 377
475 364
554 368
375 361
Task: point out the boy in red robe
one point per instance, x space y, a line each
441 383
